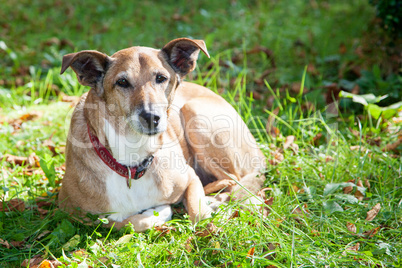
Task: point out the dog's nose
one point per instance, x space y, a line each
152 120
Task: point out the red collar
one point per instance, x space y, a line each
124 171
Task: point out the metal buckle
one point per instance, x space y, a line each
141 169
129 178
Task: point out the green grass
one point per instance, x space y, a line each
297 33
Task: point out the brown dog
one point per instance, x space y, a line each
142 139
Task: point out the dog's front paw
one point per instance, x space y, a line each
148 219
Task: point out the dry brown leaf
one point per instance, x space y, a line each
4 243
43 234
351 227
315 232
31 161
289 140
354 248
358 194
49 264
373 212
342 48
316 139
14 204
269 201
250 253
312 70
372 232
210 229
367 183
295 188
164 229
348 189
31 115
271 247
266 210
297 210
277 158
17 244
289 143
261 193
269 127
188 245
235 214
397 120
33 262
67 98
393 146
50 145
81 253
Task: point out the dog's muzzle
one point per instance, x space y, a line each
152 122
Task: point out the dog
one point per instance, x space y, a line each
142 139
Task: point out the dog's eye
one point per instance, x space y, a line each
160 78
122 82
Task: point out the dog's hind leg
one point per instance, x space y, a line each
222 145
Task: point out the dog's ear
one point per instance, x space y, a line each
90 67
183 53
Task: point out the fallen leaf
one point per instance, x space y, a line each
358 148
358 194
235 214
261 193
354 248
17 244
43 234
393 146
31 116
164 229
210 229
188 245
197 263
250 253
34 262
342 48
316 139
50 145
367 183
271 247
269 201
14 204
32 160
289 143
312 70
4 243
373 212
351 227
397 120
295 188
83 254
277 158
49 264
66 98
372 232
315 232
269 127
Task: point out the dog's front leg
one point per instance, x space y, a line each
194 200
146 220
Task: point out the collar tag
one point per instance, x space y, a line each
129 178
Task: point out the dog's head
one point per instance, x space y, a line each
137 83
